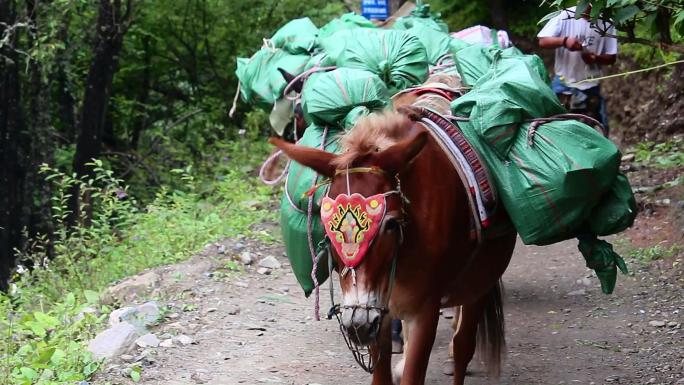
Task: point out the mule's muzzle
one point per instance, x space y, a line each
361 324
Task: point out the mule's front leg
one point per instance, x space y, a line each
423 327
382 354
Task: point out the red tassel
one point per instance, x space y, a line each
311 191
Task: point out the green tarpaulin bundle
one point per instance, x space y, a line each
321 59
334 44
421 16
261 83
550 175
616 210
298 36
558 179
437 44
550 183
338 97
347 21
294 211
510 93
475 61
397 57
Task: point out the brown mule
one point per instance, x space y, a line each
438 265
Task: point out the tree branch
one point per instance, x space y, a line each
679 48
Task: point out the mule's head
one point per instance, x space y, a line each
295 85
363 214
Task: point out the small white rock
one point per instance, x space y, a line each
114 341
657 324
270 262
166 343
148 341
185 340
126 358
115 316
263 271
246 258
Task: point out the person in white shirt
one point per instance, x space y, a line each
582 48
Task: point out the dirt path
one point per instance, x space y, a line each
251 328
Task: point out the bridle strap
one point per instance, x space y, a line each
356 170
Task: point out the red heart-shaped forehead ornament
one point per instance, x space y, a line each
352 222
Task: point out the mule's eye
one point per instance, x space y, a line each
392 225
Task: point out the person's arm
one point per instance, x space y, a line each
561 41
608 54
603 59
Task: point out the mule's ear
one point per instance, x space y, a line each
317 160
398 156
289 78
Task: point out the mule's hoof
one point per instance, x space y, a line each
397 347
448 367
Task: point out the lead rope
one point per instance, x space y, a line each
309 233
235 100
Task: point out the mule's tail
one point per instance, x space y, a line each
491 340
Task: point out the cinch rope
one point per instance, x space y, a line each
309 231
630 72
304 74
262 171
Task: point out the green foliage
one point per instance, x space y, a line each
176 80
649 254
656 23
43 325
669 154
460 14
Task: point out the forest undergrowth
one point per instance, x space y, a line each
53 306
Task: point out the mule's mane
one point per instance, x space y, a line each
372 133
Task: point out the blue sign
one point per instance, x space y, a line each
375 9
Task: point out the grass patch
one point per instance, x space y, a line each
669 154
647 255
43 324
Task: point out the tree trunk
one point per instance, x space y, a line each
111 26
497 12
41 144
141 106
13 170
63 95
394 5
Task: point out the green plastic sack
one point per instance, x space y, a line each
261 83
397 57
334 44
337 97
437 44
616 211
549 188
603 260
345 22
474 61
456 45
319 60
293 213
408 22
533 61
421 15
298 36
509 94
